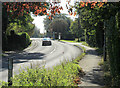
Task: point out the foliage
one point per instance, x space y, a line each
21 23
96 21
2 83
83 4
68 41
113 48
84 43
48 23
18 8
16 41
59 26
75 30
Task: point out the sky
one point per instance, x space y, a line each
38 21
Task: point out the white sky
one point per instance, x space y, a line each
38 21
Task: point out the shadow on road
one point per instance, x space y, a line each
20 57
92 52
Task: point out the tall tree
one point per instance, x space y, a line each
59 26
74 28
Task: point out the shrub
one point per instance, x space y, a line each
82 38
4 42
17 41
61 75
24 39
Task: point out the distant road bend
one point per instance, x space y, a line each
37 54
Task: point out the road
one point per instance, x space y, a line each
38 55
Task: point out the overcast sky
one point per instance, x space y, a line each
38 21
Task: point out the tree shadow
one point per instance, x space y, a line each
95 76
92 52
20 57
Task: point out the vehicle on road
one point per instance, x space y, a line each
46 42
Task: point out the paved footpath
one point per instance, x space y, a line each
93 72
89 64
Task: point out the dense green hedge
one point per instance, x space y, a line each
16 41
113 47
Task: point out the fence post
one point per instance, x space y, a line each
10 71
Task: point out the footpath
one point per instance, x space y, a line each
93 77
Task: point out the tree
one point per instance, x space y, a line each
102 27
47 24
76 30
59 26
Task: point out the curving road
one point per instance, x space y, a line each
40 55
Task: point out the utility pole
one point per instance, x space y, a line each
104 47
53 35
78 19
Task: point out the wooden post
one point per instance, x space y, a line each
10 71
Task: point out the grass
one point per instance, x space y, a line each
73 41
69 41
65 74
84 43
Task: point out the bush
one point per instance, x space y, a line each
24 39
82 38
4 42
61 75
17 41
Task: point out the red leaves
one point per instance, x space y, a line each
24 4
61 8
82 4
36 7
50 17
53 9
58 12
18 7
75 13
8 6
93 4
45 4
100 4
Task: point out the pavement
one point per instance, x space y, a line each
89 64
93 77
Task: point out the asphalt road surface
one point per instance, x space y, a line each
36 54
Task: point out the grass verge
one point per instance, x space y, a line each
73 41
69 41
65 74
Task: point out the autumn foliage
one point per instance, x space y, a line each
16 9
82 4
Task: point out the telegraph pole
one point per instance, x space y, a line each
104 47
78 19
